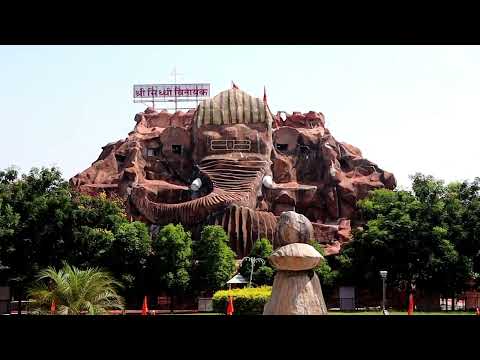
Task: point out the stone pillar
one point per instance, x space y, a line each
296 288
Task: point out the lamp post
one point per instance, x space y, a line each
252 260
383 274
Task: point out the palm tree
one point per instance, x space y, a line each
75 291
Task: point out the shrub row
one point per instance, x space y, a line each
246 301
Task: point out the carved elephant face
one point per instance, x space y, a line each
232 124
217 160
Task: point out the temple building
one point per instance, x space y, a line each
232 162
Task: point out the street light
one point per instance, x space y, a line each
383 274
252 260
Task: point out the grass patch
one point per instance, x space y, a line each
400 313
203 313
357 313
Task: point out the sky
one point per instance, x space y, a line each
408 108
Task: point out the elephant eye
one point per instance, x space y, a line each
177 149
153 152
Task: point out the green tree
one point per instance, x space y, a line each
43 222
263 274
443 230
214 259
104 237
324 271
74 291
129 254
35 213
9 222
172 259
462 205
92 246
386 242
413 235
98 211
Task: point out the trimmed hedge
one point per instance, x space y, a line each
246 301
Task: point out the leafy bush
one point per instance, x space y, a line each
264 275
75 291
246 301
327 276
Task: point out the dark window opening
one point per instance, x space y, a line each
120 158
282 147
153 152
177 149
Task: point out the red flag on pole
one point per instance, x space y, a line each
264 95
230 306
145 306
410 304
234 86
53 307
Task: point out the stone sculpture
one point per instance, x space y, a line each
233 163
296 288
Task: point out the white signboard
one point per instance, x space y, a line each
163 91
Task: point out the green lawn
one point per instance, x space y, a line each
363 313
202 313
400 313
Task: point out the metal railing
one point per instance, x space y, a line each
17 307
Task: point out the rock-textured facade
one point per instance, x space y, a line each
233 163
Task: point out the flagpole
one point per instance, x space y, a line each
175 86
174 73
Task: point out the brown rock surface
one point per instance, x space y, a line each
252 165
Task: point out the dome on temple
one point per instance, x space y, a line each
232 106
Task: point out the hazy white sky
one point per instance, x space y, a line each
408 108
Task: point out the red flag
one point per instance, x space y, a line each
145 306
234 86
264 95
230 306
410 305
53 307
